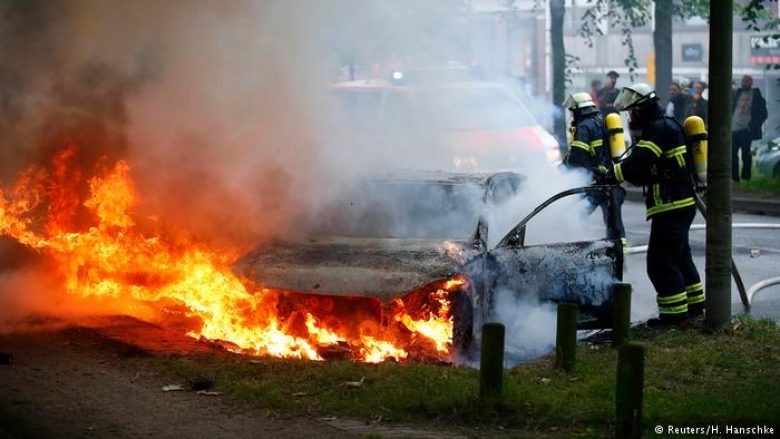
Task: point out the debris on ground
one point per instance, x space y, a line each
208 393
172 388
601 337
353 383
755 252
338 351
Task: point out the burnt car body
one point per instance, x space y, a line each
369 259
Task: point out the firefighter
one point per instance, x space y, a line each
658 161
590 151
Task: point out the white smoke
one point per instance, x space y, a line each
563 221
529 326
224 109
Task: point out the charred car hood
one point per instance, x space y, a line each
381 267
387 268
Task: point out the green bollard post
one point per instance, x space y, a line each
628 391
566 337
491 365
621 317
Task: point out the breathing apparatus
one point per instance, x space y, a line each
696 136
617 142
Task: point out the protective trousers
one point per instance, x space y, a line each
670 265
611 204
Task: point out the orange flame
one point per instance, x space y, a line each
437 326
110 255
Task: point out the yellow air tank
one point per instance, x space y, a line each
697 137
617 143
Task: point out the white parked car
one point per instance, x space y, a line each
768 160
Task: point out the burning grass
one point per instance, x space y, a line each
84 222
691 379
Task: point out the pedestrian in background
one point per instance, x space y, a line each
698 104
595 89
678 101
606 97
749 113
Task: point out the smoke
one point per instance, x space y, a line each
30 293
563 221
530 325
225 112
224 109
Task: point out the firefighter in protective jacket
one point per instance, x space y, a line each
658 162
590 151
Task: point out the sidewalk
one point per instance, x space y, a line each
741 201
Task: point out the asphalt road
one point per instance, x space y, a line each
762 263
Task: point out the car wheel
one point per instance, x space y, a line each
462 322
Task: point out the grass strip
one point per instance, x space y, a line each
691 378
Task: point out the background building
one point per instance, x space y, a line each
690 56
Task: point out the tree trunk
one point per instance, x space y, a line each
718 278
662 42
557 12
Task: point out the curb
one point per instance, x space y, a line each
738 204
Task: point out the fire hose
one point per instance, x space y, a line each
695 132
734 271
761 285
643 248
745 296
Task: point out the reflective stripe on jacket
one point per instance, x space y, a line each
657 161
587 146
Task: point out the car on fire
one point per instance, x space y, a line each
365 249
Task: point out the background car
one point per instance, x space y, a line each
768 160
465 125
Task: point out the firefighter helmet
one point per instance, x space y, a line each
578 101
633 96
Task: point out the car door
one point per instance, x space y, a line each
580 272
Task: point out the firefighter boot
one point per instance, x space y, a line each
695 310
667 321
696 297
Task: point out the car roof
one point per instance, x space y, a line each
382 84
399 176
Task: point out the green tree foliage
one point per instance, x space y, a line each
627 15
758 18
622 14
630 14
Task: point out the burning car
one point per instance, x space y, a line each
364 287
452 279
